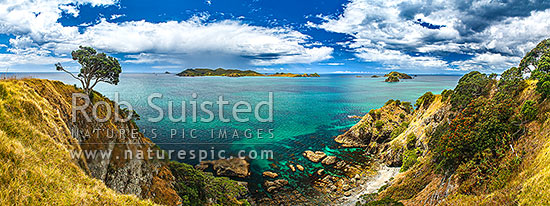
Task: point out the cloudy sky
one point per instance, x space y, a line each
357 36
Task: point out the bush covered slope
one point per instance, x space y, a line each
484 143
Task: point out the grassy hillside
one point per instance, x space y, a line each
38 143
36 167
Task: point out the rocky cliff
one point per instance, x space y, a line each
49 156
38 166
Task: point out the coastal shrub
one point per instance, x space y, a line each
542 73
446 94
389 102
532 56
528 111
410 157
378 114
379 124
402 116
470 86
511 82
198 188
411 140
3 92
544 88
425 100
544 62
407 106
189 183
484 173
398 102
483 124
372 113
397 131
504 172
384 202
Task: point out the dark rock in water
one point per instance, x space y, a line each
375 76
314 156
235 167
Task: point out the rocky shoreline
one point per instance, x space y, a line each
336 178
371 185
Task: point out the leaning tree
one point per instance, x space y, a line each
96 67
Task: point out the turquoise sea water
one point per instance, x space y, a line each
307 112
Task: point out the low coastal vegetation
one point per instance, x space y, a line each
236 73
199 188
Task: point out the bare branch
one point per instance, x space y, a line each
60 68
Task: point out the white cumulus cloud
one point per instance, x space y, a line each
35 26
419 34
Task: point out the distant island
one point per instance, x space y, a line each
236 73
395 76
293 75
218 72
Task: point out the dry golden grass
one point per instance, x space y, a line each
35 163
536 185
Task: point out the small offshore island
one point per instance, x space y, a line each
395 76
236 73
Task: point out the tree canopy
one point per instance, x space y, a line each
96 67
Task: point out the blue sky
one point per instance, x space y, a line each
356 36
